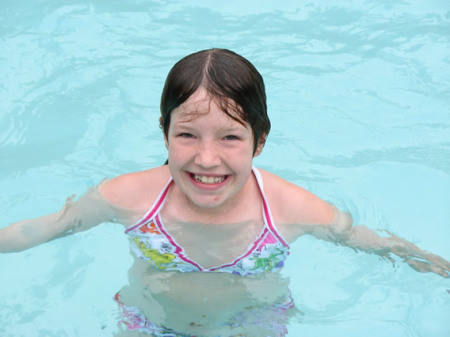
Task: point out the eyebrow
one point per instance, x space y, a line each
188 116
226 128
233 128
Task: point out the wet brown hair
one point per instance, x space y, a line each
226 76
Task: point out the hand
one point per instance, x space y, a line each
434 264
418 259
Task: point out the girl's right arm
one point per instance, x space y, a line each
123 199
88 211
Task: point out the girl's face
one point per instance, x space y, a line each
210 154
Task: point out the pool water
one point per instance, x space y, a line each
358 95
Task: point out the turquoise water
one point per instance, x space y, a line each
358 94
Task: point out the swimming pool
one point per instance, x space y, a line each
359 103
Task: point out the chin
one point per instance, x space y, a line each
207 204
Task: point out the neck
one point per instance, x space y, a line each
246 203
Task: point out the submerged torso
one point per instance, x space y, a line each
199 302
182 286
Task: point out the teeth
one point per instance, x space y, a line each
208 180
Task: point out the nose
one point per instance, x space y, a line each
207 155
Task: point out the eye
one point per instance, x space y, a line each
186 135
231 137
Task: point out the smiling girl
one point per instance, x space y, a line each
209 231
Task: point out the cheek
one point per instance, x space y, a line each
244 160
172 152
178 154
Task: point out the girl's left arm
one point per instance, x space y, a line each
383 243
292 204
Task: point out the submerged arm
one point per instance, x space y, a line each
86 212
361 238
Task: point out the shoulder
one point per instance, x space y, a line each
292 204
135 191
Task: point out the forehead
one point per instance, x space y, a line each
201 102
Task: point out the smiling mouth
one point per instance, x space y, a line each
208 180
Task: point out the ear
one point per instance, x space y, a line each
259 148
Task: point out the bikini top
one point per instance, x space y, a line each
150 241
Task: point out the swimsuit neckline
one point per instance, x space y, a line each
182 252
152 241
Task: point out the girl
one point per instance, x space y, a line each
209 230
